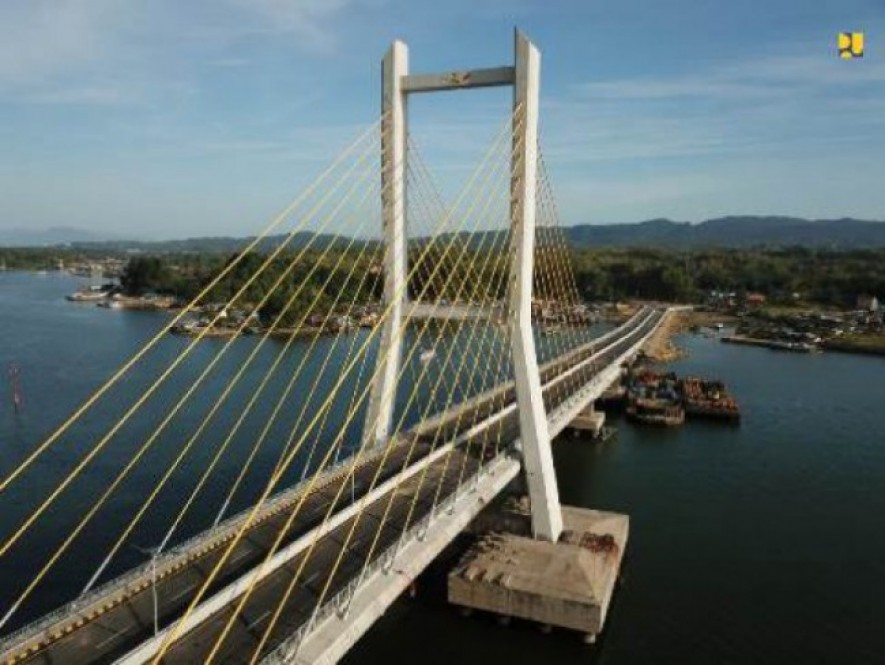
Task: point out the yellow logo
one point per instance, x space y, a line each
458 78
850 45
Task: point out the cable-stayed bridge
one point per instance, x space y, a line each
395 386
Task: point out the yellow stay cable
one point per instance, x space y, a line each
172 635
137 457
294 335
556 223
555 290
505 240
272 419
109 383
320 429
306 557
285 529
416 200
482 282
503 355
96 449
233 382
505 359
280 402
491 253
437 199
421 242
556 343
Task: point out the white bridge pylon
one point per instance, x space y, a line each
397 85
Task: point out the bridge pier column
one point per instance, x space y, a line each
534 432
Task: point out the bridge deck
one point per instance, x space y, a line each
252 621
119 617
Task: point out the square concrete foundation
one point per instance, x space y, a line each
568 584
589 421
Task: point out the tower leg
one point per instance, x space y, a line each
393 200
534 432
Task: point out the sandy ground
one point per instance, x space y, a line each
660 347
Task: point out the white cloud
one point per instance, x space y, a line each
758 106
309 20
768 77
41 38
802 132
65 51
87 95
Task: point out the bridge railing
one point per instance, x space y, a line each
340 602
81 605
641 325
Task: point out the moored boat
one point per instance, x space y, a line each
660 412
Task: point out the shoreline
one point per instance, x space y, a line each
836 346
660 347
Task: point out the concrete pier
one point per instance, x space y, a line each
567 584
589 420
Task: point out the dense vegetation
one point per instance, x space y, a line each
45 258
823 276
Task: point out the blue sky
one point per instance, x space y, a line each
165 118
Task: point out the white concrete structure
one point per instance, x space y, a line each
534 434
337 631
393 200
337 623
524 76
420 544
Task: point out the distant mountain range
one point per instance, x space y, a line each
218 244
846 233
744 231
56 235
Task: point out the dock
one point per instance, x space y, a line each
567 584
776 344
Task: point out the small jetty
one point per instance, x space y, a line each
94 294
775 344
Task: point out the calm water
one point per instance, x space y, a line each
762 544
65 350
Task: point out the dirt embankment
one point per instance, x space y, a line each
660 346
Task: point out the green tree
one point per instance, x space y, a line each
145 273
